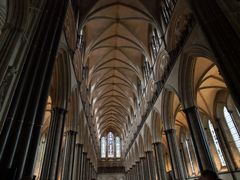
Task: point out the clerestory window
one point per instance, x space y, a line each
232 127
216 143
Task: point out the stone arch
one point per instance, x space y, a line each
70 28
157 126
61 80
140 146
161 65
186 69
73 117
147 138
86 139
77 64
223 99
168 119
80 126
178 24
136 152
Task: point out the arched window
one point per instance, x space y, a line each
118 147
103 147
232 127
190 157
110 145
216 143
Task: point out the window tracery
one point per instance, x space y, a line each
110 146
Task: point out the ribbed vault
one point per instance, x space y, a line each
116 45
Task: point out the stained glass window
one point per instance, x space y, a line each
110 145
216 143
232 127
103 147
118 147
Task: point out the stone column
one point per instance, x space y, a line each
69 155
226 152
150 165
139 173
127 175
77 162
224 142
84 166
87 169
219 30
53 145
177 165
130 173
160 161
20 135
142 167
90 171
201 146
134 172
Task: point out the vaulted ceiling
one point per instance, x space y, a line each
116 45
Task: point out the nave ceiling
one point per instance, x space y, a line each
116 43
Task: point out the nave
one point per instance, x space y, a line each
119 90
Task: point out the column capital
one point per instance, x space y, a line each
60 110
79 144
192 108
157 143
71 132
147 152
137 162
169 131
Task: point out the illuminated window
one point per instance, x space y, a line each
118 147
190 157
238 112
232 127
216 143
103 147
110 145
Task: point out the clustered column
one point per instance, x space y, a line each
69 155
203 153
160 162
54 143
77 170
146 169
21 128
150 165
175 154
